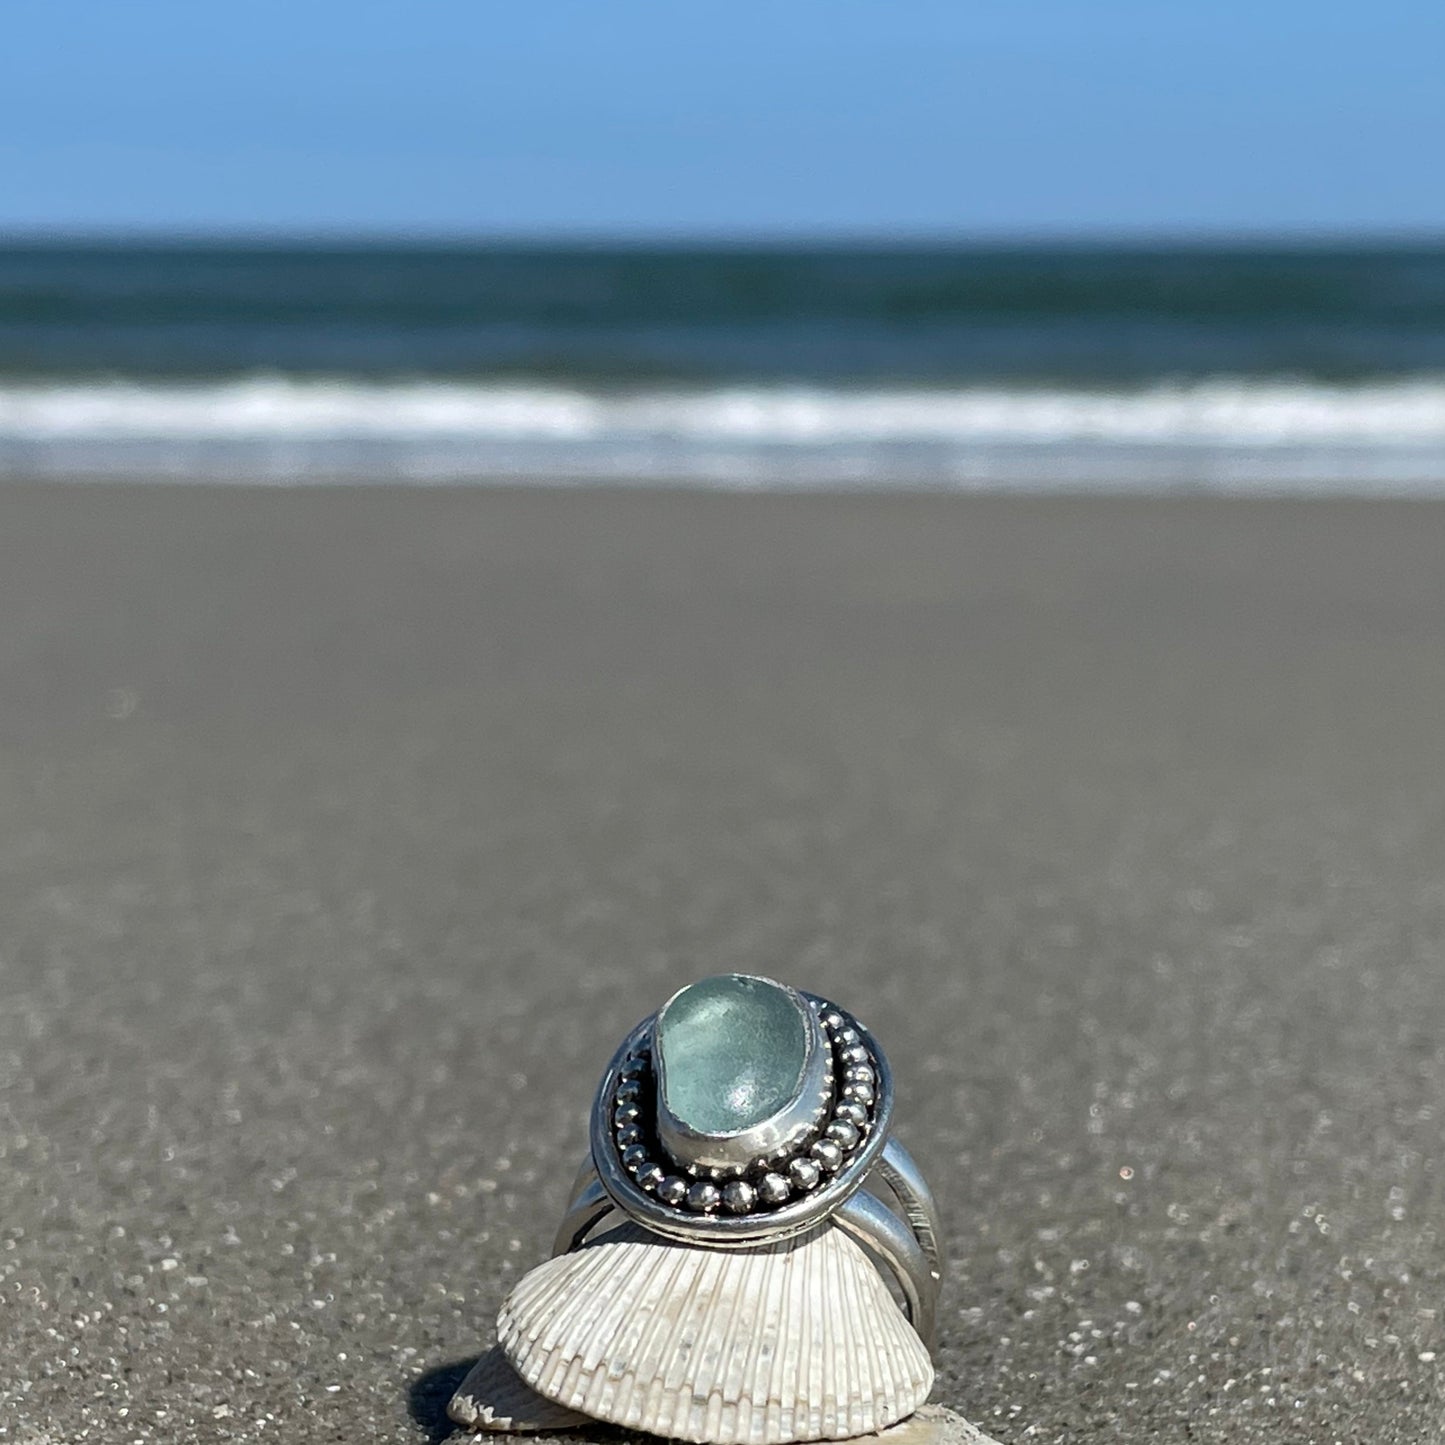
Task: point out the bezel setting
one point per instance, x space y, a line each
783 1186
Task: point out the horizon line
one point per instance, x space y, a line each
706 238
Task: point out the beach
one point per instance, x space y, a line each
346 830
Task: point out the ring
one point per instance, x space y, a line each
726 1271
702 1135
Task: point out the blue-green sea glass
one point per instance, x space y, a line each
733 1053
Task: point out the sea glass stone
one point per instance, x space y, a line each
733 1052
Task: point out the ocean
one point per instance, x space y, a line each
1238 368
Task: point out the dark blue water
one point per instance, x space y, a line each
632 315
1190 366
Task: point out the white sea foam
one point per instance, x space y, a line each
1225 432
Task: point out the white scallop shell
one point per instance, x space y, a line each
790 1341
493 1398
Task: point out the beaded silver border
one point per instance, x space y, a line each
820 1172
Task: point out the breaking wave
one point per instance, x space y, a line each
1232 433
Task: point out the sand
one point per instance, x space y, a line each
342 833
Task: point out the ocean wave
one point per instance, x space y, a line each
1221 411
1191 432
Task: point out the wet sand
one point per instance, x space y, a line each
344 832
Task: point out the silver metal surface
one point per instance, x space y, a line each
892 1243
904 1178
911 1257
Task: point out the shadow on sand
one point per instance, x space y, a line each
427 1397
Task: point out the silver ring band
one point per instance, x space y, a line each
909 1247
920 1209
892 1243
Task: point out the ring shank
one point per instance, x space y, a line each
908 1246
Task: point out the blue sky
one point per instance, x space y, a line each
614 116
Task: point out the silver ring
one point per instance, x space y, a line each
745 1112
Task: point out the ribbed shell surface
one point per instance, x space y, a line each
797 1340
493 1397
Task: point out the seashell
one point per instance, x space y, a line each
798 1339
493 1398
